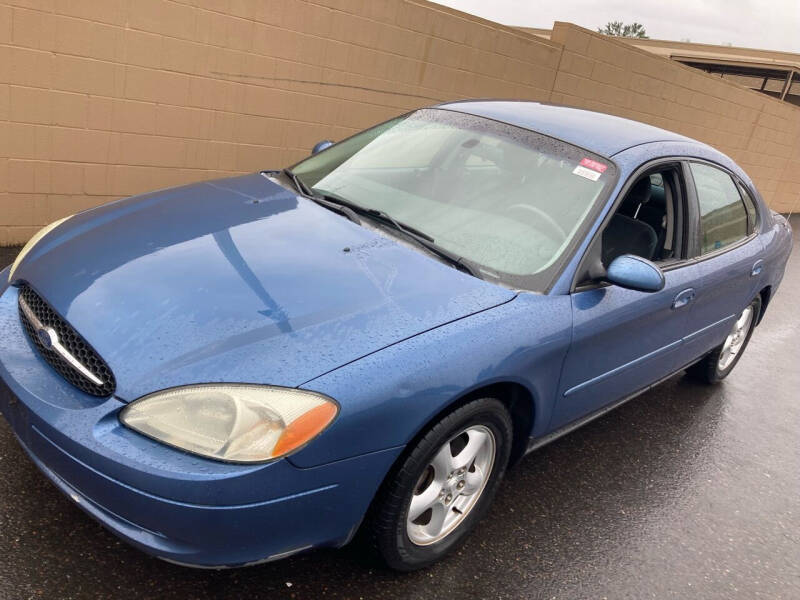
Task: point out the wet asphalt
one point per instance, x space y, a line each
687 491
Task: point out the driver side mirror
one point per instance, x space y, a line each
635 273
320 146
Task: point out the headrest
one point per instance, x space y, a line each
639 193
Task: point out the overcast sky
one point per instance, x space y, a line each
770 24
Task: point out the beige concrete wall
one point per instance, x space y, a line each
106 99
760 133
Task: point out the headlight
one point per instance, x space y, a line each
232 422
31 243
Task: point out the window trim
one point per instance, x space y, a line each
743 188
699 257
724 249
678 162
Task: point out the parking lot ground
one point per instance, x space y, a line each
688 491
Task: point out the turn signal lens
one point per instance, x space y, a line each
304 428
232 422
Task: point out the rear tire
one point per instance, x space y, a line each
448 479
718 363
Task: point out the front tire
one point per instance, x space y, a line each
442 488
718 364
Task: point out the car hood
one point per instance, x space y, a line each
239 280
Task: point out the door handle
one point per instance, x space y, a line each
683 298
758 266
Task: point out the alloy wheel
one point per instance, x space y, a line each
450 485
736 339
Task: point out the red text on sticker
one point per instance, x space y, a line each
594 165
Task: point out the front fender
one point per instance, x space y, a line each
387 397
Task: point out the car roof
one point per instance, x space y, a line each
601 133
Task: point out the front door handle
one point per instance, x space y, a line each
683 298
757 268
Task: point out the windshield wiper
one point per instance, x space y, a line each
351 211
397 224
457 261
423 239
342 209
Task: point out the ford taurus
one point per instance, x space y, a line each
238 370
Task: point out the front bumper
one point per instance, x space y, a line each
170 504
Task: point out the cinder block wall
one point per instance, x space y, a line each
761 133
102 99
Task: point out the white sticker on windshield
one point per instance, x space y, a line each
587 173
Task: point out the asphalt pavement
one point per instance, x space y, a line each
687 491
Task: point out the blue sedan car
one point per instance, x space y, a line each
239 370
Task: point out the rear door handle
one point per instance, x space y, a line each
758 266
683 298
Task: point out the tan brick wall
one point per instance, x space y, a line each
106 99
761 133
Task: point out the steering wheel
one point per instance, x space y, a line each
543 216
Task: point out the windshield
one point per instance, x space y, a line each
509 200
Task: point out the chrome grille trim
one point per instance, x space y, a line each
62 347
55 344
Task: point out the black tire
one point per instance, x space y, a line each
385 528
708 369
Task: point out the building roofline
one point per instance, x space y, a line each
680 50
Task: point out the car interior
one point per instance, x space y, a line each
648 222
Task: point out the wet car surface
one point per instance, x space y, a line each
686 491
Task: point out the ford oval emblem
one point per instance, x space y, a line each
47 337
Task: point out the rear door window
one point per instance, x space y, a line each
723 218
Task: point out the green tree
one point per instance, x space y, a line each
619 29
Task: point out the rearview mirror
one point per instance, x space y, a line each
635 273
320 146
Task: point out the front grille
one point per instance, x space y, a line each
71 341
